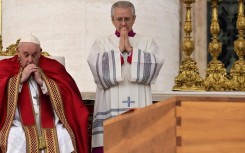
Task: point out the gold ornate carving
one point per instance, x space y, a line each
238 69
216 77
11 50
1 46
188 78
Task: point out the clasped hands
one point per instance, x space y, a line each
31 69
124 44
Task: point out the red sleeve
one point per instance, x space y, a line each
122 61
130 57
9 67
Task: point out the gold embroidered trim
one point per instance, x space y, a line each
31 139
51 139
57 104
49 136
12 93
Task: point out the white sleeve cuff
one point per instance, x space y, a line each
20 87
44 89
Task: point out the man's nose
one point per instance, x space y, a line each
124 22
30 59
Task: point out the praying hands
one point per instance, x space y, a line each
29 70
124 41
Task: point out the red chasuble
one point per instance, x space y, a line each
75 112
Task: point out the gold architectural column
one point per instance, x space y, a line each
11 49
188 78
200 35
238 69
1 43
0 17
199 11
216 77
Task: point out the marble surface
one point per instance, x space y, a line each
69 28
161 96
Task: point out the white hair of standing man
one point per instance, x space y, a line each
122 4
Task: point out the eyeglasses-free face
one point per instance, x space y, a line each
123 17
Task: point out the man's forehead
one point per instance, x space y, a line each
29 51
28 44
126 11
28 47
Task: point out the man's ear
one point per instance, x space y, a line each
134 17
18 52
112 19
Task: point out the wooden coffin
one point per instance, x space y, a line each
179 125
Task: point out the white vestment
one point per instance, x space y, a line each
121 87
17 139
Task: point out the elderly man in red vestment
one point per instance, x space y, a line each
41 109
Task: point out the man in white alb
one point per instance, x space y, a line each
124 66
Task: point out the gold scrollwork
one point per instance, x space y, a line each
11 50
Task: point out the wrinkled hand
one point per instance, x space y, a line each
33 70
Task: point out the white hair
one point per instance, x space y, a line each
122 4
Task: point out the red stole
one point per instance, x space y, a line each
27 112
43 135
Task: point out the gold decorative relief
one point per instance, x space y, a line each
188 78
238 69
216 76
